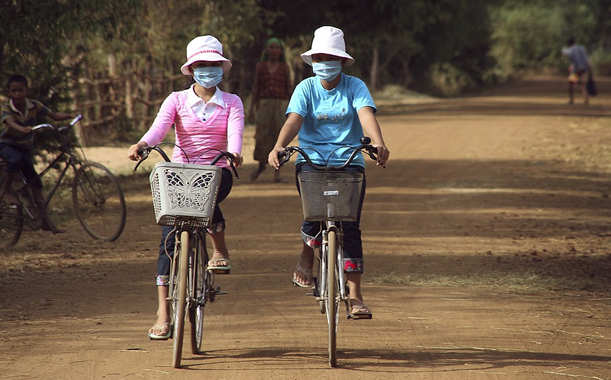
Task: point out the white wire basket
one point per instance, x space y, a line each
184 193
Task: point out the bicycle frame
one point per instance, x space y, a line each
331 290
97 197
341 275
66 149
70 163
191 282
196 236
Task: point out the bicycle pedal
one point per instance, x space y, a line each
218 291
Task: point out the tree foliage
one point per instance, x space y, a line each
528 34
36 37
435 46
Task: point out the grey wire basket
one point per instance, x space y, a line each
184 193
327 196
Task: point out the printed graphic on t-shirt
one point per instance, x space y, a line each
330 115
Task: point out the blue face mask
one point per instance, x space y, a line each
208 76
327 70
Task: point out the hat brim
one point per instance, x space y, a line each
307 56
210 57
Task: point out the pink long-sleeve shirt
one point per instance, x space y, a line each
223 131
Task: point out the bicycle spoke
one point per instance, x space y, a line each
201 291
98 202
11 225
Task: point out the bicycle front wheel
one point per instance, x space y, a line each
98 201
11 225
332 299
179 297
201 290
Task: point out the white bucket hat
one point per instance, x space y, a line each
328 40
205 48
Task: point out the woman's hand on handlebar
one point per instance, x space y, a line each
272 158
132 152
382 154
237 159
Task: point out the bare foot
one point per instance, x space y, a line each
303 277
220 262
303 273
358 310
160 331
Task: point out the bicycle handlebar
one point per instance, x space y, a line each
144 154
47 125
365 147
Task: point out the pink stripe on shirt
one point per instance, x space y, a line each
222 132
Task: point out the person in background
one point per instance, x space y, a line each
19 115
578 69
329 112
271 92
206 120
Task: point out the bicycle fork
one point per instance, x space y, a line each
320 287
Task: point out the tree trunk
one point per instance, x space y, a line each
375 66
406 75
129 97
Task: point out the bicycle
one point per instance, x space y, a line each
184 196
331 195
97 197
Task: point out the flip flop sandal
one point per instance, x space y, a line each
166 336
360 312
307 273
219 269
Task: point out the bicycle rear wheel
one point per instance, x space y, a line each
179 297
98 201
201 290
11 225
332 296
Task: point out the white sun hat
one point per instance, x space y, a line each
205 48
328 40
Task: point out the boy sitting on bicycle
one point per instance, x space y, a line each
19 115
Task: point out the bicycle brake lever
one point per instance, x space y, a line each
284 156
143 156
371 152
233 168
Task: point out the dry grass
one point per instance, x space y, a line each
519 283
585 143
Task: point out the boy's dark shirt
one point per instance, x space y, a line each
34 110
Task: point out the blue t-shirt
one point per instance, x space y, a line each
578 57
330 120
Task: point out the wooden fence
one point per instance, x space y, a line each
111 105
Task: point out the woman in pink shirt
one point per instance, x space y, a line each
207 120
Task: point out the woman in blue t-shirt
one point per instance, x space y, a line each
330 112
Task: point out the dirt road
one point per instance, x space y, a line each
488 255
